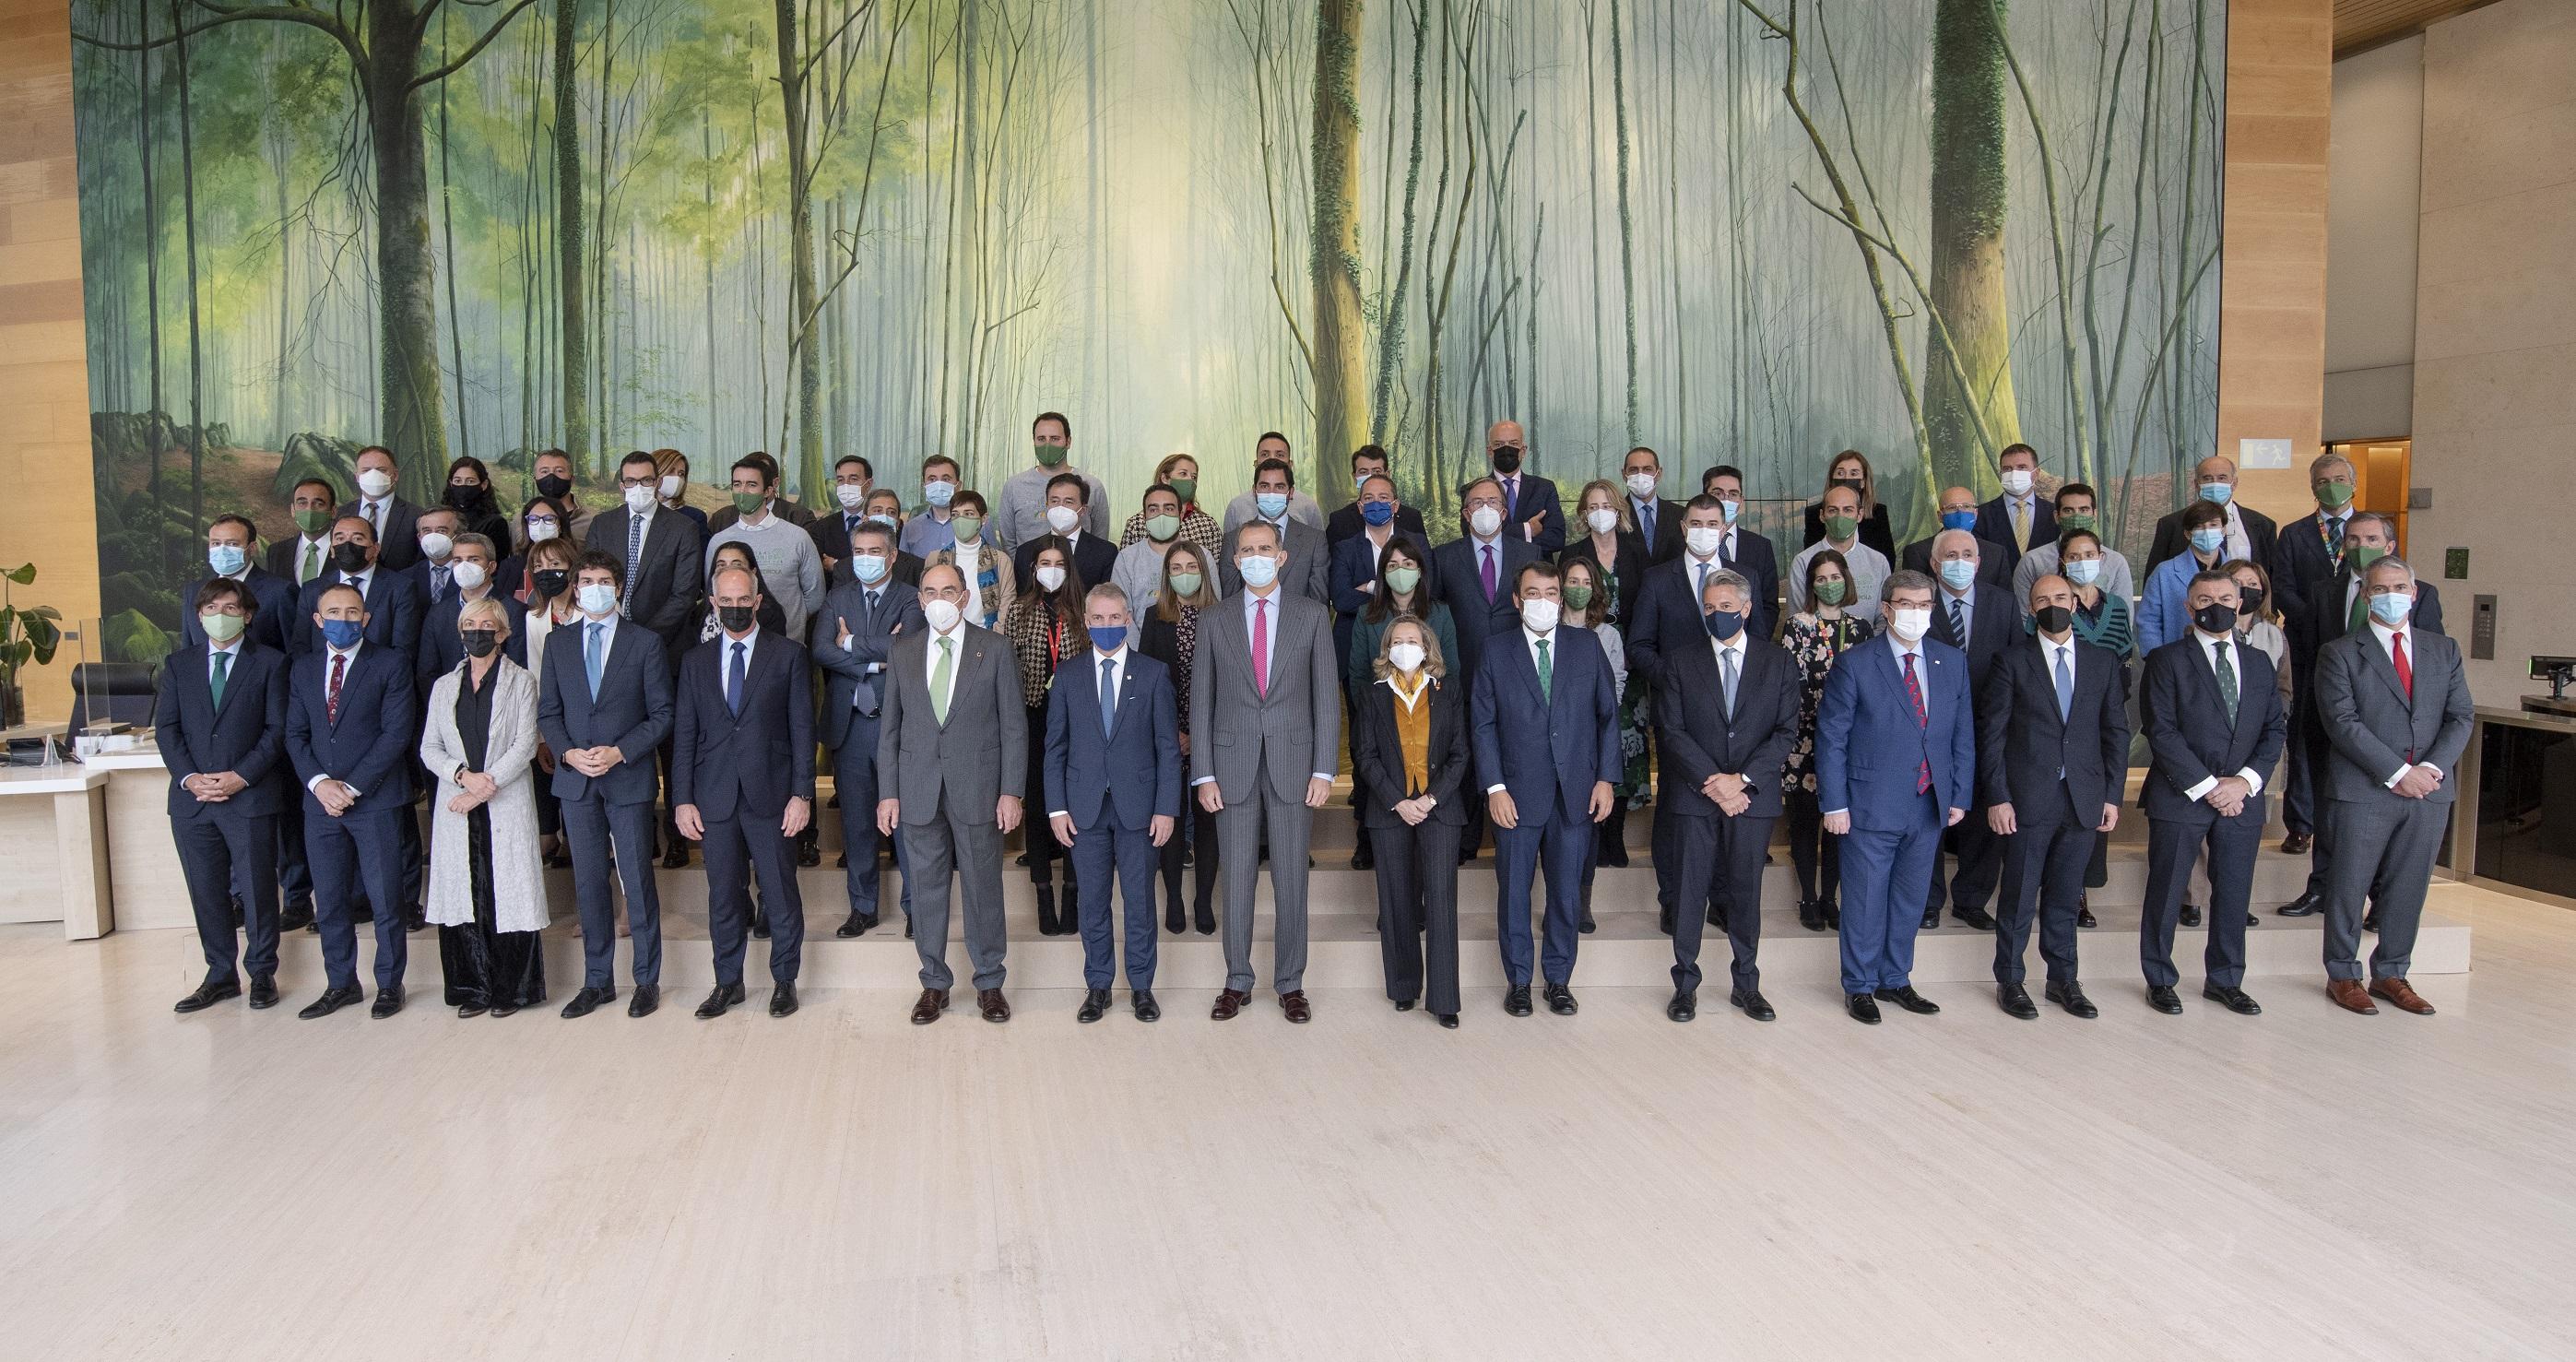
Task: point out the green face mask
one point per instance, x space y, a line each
1403 580
967 528
2074 520
1185 584
1188 488
220 627
1831 593
1578 597
1161 528
2360 556
744 503
313 521
1840 526
2334 496
1050 456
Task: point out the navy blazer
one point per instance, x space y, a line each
1377 755
846 671
1459 584
1128 775
749 764
394 607
1354 565
270 628
246 735
1699 739
1994 525
2301 560
2041 764
667 589
375 745
1668 607
2188 736
439 648
1870 748
1581 709
831 536
398 544
632 713
1536 496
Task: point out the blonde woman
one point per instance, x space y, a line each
1180 472
487 891
1409 748
1851 469
985 565
672 468
1605 535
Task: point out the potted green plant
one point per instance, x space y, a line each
26 635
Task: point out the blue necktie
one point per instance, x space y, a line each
594 655
1646 519
2065 686
1108 696
733 681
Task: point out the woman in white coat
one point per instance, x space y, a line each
487 890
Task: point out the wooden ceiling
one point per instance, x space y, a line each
2360 24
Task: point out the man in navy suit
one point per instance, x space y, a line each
1473 576
1543 798
1532 513
1978 619
231 553
391 521
220 722
470 565
1659 521
2308 551
2214 725
2052 761
1113 791
300 557
1367 461
854 637
2021 517
1896 762
742 784
603 705
433 572
1354 583
1727 715
352 732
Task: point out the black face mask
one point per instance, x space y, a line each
552 487
2054 619
2214 618
349 557
736 618
550 582
465 496
2253 598
480 642
1507 458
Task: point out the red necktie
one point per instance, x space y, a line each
331 695
1261 646
1914 693
2405 669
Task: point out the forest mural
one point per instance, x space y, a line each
1755 231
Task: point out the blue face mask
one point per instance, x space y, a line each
1958 520
938 493
343 634
1108 640
1272 505
2392 608
871 567
1956 573
1377 512
1258 571
1724 624
2207 541
2216 493
225 559
881 518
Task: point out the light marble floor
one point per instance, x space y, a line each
841 1184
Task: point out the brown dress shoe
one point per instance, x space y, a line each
933 1002
1228 1004
1294 1004
2349 996
993 1005
2401 995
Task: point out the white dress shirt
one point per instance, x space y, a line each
2388 646
230 650
1530 639
328 653
2236 662
1108 691
956 662
1922 680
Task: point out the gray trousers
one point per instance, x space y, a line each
973 851
2384 852
1238 838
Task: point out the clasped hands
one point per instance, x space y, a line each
214 787
2420 780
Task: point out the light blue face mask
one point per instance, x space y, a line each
2083 571
2207 541
1272 505
2216 493
871 567
226 559
1957 573
2391 608
938 493
1259 570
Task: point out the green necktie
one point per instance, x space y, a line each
1546 674
2359 613
2227 682
312 564
939 681
223 670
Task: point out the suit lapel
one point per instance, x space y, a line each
2386 667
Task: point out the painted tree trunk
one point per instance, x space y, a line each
807 399
414 422
573 346
1341 332
1967 376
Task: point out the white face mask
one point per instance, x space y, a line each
374 483
1539 615
670 486
1050 578
1641 485
1062 519
539 531
850 495
436 545
1704 539
470 575
1485 521
1602 519
598 598
639 500
942 615
1909 624
2017 482
1406 657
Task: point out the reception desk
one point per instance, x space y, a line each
2516 823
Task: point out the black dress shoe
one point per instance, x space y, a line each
1811 915
415 918
1716 917
2084 918
2297 844
1516 1000
1560 1000
1585 924
842 861
297 917
2162 998
1141 1002
2070 995
1862 1007
2233 999
466 1010
719 998
2252 918
1751 1003
2305 905
1094 1004
647 997
263 992
809 854
332 1000
2015 1001
2370 919
857 924
1664 922
1404 1004
506 1010
1932 919
1683 1007
589 1000
388 1002
1448 1020
782 999
207 995
676 855
1910 1000
2191 915
1364 858
759 922
1046 908
1977 919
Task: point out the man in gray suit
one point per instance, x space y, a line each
2397 714
1305 567
1267 714
952 750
